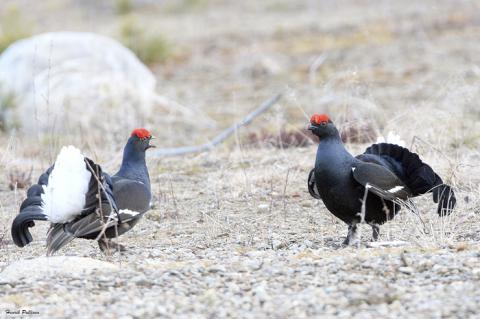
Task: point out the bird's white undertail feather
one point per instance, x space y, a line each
64 195
128 212
392 138
395 189
125 215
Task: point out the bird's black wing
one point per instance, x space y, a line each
130 194
312 186
380 181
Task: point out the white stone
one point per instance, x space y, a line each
71 80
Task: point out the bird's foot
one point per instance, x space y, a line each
108 246
352 236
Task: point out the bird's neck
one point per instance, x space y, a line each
331 153
134 166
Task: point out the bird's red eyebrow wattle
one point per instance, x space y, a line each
141 133
319 118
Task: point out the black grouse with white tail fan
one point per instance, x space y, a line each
82 201
371 186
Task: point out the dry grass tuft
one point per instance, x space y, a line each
4 238
150 48
282 139
7 102
123 7
19 179
355 132
12 27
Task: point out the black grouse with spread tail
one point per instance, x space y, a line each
82 201
381 178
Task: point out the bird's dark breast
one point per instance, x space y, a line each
340 195
343 198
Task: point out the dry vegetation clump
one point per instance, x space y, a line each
19 179
150 47
123 7
355 132
3 237
13 26
282 139
7 103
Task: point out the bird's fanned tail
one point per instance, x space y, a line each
20 234
30 211
100 212
418 176
63 196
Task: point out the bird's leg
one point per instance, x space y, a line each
352 236
375 231
107 245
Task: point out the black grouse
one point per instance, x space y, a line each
369 187
82 201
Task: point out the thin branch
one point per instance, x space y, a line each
174 151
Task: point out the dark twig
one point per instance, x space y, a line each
220 137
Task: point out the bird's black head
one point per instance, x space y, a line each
322 126
140 140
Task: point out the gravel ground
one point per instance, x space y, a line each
228 238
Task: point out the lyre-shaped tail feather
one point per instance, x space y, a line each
417 175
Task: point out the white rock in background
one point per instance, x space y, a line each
72 80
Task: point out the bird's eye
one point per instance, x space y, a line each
323 123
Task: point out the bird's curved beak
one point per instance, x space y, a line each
311 127
150 140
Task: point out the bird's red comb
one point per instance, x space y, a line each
319 118
141 133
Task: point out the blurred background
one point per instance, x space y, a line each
198 66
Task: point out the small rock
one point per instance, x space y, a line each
263 208
260 293
217 268
254 264
406 270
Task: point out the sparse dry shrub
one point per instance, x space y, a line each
183 6
7 102
149 47
12 27
282 139
3 237
355 132
123 7
19 179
